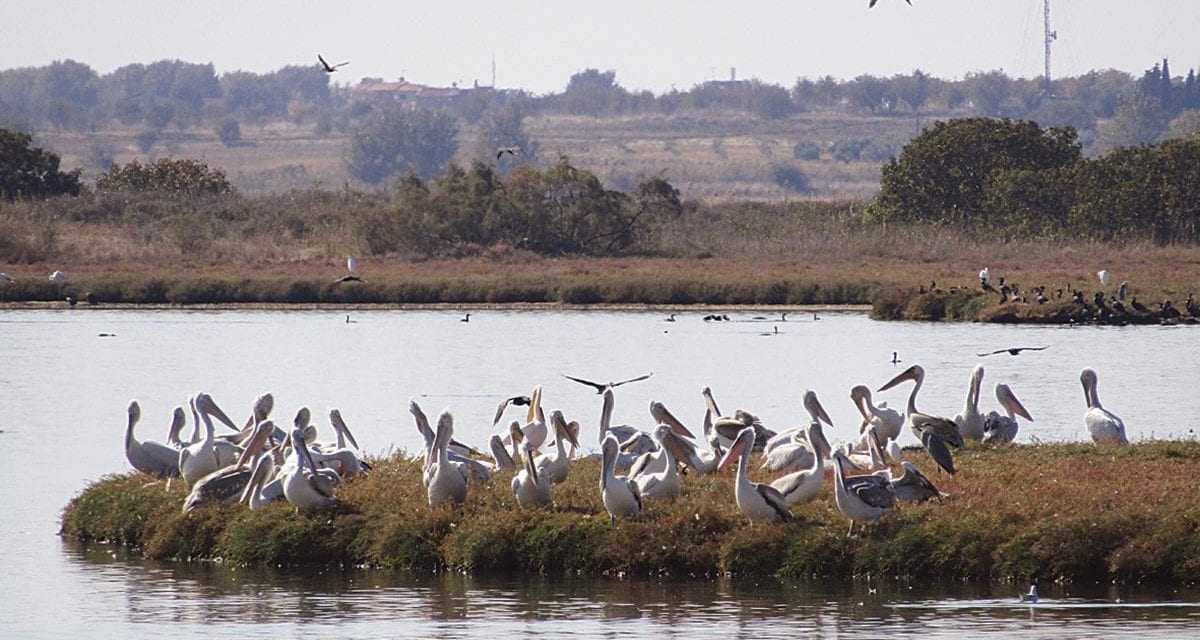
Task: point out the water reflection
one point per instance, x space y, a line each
201 595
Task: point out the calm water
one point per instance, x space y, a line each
63 385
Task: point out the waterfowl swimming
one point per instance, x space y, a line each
1103 425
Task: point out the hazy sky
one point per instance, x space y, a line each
652 44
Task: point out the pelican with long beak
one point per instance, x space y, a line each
344 437
913 486
178 421
530 488
874 458
701 459
446 483
151 457
303 486
1103 425
729 427
758 502
662 483
469 468
502 460
1002 429
227 484
887 421
253 496
801 486
860 498
798 455
620 495
557 467
919 422
655 461
202 458
970 421
535 430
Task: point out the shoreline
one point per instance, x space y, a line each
433 306
1056 524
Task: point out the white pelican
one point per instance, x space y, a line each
535 431
802 486
470 469
913 486
798 454
728 427
970 421
446 483
502 459
860 498
202 458
302 485
344 436
619 494
557 467
253 495
690 453
873 459
150 457
662 482
984 276
178 422
1103 425
758 502
227 484
919 422
887 421
1003 428
530 488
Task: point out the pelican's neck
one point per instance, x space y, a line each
606 472
208 431
671 470
972 404
865 406
1094 395
559 452
912 397
129 439
743 466
195 437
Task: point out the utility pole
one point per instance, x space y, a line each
1051 36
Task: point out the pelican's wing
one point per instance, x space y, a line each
938 450
874 490
775 500
639 465
945 429
500 411
1033 348
637 379
323 63
991 353
595 385
914 478
787 484
422 423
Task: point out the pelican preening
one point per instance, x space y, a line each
970 421
793 450
860 498
1104 426
304 485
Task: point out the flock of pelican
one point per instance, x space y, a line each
259 463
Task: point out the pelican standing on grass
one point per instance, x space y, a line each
530 488
970 421
799 452
303 486
688 451
620 495
887 421
150 457
918 422
1002 429
758 502
663 482
1103 425
446 483
228 483
802 486
860 498
202 458
557 467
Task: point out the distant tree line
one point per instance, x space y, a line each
1018 179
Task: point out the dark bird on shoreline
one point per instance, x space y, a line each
328 67
519 401
1013 351
601 387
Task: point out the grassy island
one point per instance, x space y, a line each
1063 512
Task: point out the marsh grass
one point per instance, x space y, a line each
1062 512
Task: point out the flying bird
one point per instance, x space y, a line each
520 401
1012 352
512 151
330 68
871 4
601 387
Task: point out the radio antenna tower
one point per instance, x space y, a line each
1051 36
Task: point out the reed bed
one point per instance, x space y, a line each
1050 512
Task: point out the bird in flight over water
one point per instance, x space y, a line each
871 4
600 387
512 151
328 67
1014 351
